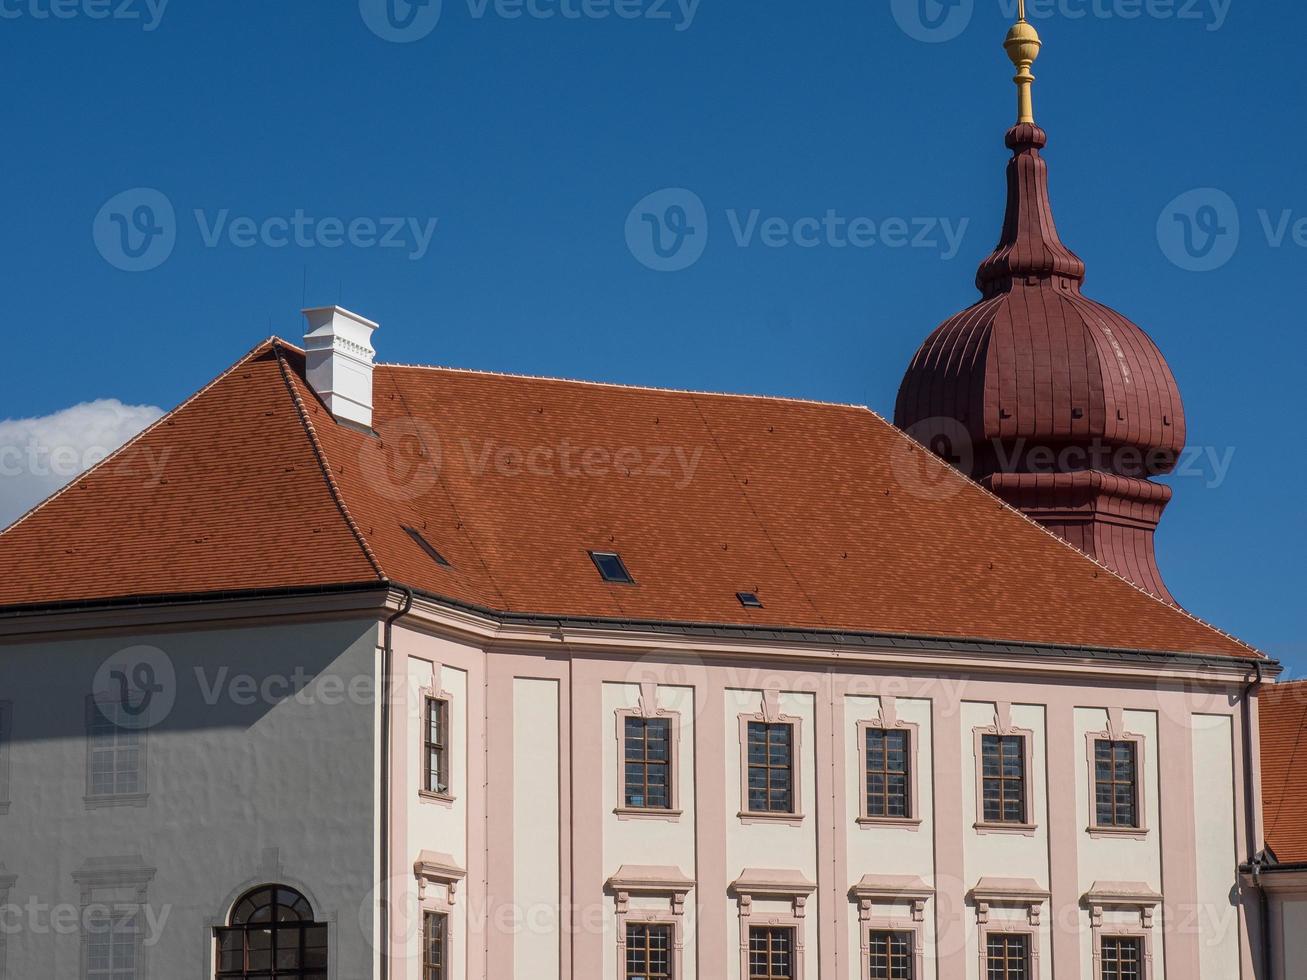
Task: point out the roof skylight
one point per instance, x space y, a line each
426 546
611 567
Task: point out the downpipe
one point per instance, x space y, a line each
387 657
1256 860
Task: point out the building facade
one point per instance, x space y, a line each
349 670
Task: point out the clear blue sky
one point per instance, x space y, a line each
530 139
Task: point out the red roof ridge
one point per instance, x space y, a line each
321 457
620 386
252 352
972 484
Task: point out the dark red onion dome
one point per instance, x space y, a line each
1058 404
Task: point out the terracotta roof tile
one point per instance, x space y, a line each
830 514
1282 716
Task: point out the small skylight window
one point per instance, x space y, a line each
425 545
611 567
749 600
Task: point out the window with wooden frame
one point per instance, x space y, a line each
1121 958
1116 784
770 756
771 953
1007 956
115 758
647 763
271 935
113 941
649 947
435 746
888 773
891 955
1004 790
435 946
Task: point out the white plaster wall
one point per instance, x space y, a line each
1005 855
768 844
890 850
649 841
536 814
1214 801
263 770
1118 858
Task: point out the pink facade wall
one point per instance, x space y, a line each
536 824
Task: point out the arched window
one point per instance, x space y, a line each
271 935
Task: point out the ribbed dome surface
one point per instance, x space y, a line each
1045 381
1045 363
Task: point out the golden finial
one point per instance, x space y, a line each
1023 46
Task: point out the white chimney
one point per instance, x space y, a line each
338 361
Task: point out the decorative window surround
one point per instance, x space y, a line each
1003 727
1116 732
434 869
1010 892
908 895
434 692
771 715
120 886
889 721
659 882
94 800
647 707
766 884
1128 896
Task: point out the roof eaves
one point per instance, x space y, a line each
850 638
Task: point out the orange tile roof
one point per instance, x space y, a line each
830 514
1282 717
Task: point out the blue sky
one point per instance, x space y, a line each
463 172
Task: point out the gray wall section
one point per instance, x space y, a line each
248 782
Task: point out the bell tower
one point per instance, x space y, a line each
1056 403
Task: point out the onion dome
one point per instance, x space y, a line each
1058 404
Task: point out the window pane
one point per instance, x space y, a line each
891 956
1122 958
648 952
1007 957
770 953
1116 786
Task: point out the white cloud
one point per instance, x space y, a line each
38 456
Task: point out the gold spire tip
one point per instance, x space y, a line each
1023 46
